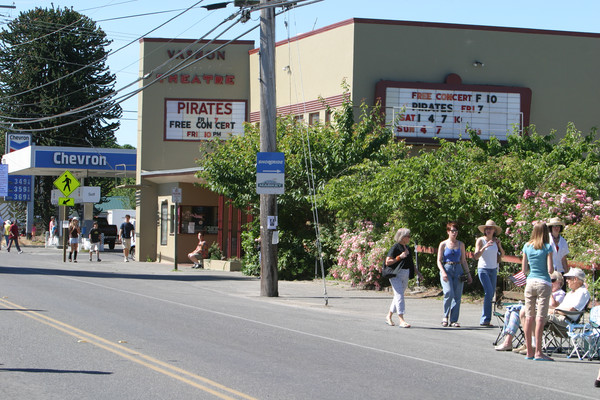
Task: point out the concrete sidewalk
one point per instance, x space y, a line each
330 296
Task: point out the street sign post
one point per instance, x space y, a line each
66 183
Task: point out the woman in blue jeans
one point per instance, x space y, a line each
487 248
452 263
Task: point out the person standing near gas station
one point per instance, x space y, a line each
125 234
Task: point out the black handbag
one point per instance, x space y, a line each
387 271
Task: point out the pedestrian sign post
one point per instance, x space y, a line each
66 183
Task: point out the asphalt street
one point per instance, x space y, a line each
115 330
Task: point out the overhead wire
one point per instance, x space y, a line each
99 60
92 105
308 165
112 101
83 88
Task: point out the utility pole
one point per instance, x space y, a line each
268 143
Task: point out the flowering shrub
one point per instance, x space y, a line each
571 205
360 257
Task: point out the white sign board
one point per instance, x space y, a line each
3 179
176 196
83 194
270 173
429 113
196 119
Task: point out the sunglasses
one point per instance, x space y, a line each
553 280
453 230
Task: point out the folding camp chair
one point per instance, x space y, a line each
508 297
585 338
556 337
519 336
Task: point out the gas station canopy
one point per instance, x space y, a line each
82 162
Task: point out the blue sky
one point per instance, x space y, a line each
578 15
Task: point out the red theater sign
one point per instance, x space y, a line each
200 119
422 111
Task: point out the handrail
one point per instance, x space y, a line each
508 258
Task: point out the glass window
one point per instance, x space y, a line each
164 223
196 219
313 118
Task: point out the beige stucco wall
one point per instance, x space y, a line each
559 67
154 153
316 68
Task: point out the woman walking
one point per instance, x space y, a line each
487 249
401 260
454 271
74 232
537 257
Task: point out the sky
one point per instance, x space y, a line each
123 22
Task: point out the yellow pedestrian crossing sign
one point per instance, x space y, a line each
66 201
66 183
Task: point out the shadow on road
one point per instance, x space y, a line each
100 274
54 371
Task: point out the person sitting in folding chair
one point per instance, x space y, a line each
515 314
574 302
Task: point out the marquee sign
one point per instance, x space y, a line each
425 111
200 119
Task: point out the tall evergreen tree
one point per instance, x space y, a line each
52 63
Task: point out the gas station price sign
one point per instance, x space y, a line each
19 188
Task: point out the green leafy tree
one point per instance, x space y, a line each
229 168
52 63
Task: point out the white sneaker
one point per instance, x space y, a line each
20 251
126 259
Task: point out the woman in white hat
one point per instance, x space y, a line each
487 249
559 245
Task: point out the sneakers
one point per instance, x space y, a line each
90 258
74 261
20 251
195 265
98 260
126 259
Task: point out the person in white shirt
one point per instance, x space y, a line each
575 300
559 245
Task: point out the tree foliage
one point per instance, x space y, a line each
52 63
229 168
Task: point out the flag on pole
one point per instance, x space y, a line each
519 279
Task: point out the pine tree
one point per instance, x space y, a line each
53 61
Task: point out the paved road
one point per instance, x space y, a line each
115 330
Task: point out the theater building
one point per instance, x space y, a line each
432 80
194 99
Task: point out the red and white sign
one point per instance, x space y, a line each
199 119
424 111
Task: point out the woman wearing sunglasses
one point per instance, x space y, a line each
454 271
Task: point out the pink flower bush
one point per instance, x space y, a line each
360 257
571 205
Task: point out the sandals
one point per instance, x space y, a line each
389 322
445 322
455 325
404 324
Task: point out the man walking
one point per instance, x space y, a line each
95 241
14 237
125 234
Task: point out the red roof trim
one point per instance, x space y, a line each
188 41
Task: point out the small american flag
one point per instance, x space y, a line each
519 279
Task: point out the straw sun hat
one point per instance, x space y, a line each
555 221
489 223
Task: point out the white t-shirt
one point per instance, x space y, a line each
575 299
558 254
489 257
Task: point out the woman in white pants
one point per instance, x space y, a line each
400 258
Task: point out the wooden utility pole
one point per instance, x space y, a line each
268 143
